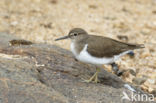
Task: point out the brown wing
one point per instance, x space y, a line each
106 47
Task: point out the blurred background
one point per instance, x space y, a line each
133 21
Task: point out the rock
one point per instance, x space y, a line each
154 11
154 93
92 6
14 23
127 73
152 81
54 1
122 37
41 73
19 42
132 72
139 81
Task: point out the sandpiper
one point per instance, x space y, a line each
97 50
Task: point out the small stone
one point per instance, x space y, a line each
54 1
92 6
144 88
139 81
132 72
144 55
154 93
14 23
6 16
125 74
48 25
150 89
145 31
122 37
154 11
18 42
151 81
119 73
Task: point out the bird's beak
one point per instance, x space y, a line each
61 38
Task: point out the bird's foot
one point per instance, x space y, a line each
94 78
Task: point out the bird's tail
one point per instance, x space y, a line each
137 46
140 46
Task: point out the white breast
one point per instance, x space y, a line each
84 56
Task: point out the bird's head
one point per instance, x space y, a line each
74 34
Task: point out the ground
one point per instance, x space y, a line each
133 20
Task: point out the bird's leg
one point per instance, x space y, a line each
116 69
94 78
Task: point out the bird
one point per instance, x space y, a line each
97 50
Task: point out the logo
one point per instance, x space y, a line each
137 97
125 96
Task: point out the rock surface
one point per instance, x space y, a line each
41 73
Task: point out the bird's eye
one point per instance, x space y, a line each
75 34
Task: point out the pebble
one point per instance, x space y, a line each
154 92
122 37
14 23
145 31
139 81
151 81
132 72
92 6
144 55
144 88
